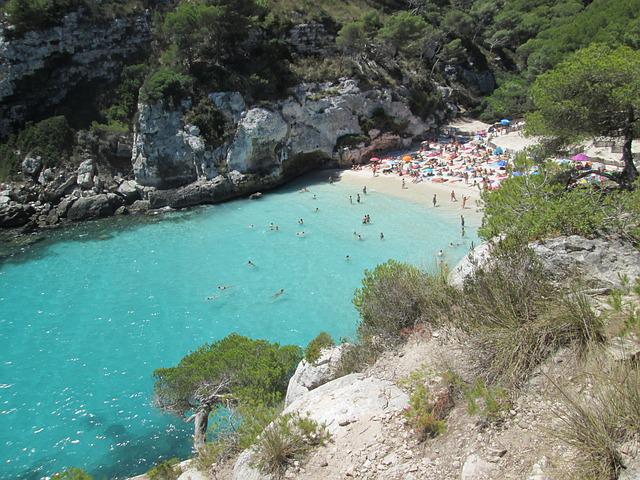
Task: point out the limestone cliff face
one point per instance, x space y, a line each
290 136
166 153
39 69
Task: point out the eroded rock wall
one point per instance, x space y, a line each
40 68
281 140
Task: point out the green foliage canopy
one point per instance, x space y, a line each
250 370
595 92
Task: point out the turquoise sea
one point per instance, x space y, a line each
87 316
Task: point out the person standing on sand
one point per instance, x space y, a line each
453 196
435 200
464 201
403 184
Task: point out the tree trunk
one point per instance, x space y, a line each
200 424
630 172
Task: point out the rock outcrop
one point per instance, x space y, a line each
309 376
167 153
258 146
290 137
602 262
39 68
339 404
96 206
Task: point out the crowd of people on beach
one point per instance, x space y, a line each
452 161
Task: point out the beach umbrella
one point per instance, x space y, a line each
407 158
498 151
505 122
502 163
581 157
517 174
374 159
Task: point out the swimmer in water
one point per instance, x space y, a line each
317 209
251 264
381 236
277 228
350 199
301 222
212 297
360 237
224 287
315 197
251 225
364 189
300 234
347 258
278 293
440 253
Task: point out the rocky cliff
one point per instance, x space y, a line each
40 68
271 143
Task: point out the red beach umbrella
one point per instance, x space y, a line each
581 157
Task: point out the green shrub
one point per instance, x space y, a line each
315 346
426 414
357 356
214 126
254 371
395 297
324 69
428 406
534 207
351 140
516 317
165 470
235 433
288 439
51 138
125 97
597 426
488 401
9 159
28 15
379 120
166 84
72 474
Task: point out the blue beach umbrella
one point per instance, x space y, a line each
505 122
502 163
498 151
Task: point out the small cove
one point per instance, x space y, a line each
85 319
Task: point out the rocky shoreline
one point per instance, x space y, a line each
167 163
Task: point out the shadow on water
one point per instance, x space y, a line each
133 456
25 248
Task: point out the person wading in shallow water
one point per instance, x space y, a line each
435 200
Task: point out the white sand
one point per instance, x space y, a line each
514 141
422 193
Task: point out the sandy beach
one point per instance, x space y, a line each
422 193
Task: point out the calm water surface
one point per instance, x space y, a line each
86 319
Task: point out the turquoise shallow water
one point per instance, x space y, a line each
84 320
